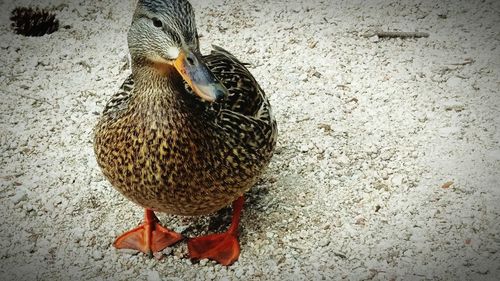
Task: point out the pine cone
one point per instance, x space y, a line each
33 22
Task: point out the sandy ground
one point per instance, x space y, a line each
370 130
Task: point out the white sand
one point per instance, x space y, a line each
370 129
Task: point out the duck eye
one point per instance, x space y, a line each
157 22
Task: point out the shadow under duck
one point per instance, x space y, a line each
186 134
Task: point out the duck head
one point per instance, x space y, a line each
163 35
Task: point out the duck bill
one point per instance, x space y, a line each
199 77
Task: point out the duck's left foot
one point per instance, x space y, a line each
222 247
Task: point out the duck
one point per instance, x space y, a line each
186 134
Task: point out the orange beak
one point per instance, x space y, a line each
199 77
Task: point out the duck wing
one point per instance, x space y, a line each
246 113
245 95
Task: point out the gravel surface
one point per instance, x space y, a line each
387 164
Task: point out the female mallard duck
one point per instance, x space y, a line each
186 134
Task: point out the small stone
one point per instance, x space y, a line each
447 184
374 39
210 275
250 271
397 179
455 82
158 255
181 228
97 255
304 148
360 220
178 253
454 106
386 155
372 149
153 275
494 154
238 272
343 160
19 196
303 77
316 74
326 127
167 251
78 233
422 117
448 131
28 207
324 242
203 262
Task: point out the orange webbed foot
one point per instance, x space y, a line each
149 237
222 247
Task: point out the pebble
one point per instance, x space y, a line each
324 242
384 174
158 255
448 131
397 180
210 275
386 155
153 275
304 148
19 196
167 251
97 255
303 77
239 272
454 106
343 160
78 233
494 154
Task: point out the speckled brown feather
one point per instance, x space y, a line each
167 150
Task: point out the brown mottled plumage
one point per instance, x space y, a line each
162 145
168 151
